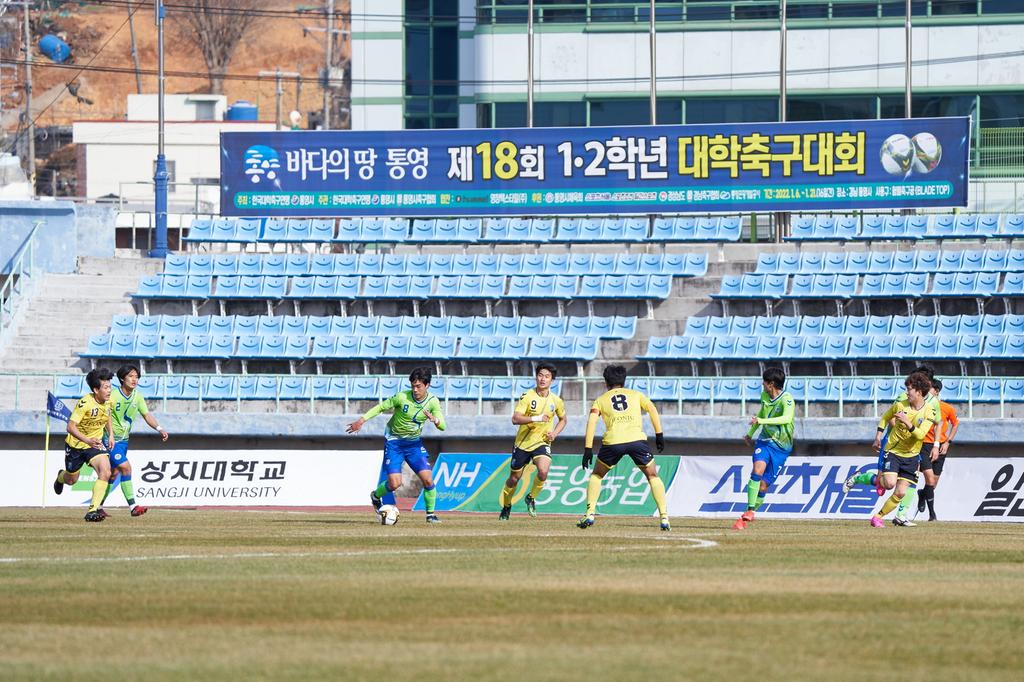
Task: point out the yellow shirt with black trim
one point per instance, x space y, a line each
92 418
903 441
532 404
622 410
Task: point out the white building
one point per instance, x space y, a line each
462 63
118 157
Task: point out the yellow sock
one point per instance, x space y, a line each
658 490
506 496
60 476
593 492
889 505
538 485
99 490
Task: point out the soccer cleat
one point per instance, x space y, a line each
103 512
58 486
531 506
375 501
921 502
748 516
585 522
94 516
903 522
139 510
432 518
665 525
848 484
877 522
740 524
505 513
879 490
933 517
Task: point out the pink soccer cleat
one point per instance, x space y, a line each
877 522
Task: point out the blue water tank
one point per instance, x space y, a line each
242 111
54 48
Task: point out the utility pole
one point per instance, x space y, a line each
31 167
135 52
278 74
654 65
159 249
529 66
329 59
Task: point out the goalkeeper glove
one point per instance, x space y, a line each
588 457
659 441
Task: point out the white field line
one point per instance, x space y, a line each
660 543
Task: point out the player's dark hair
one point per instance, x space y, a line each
97 376
927 370
775 376
920 382
937 384
549 367
421 374
125 370
614 376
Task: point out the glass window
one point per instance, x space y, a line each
446 60
943 105
483 115
732 110
855 10
829 108
634 112
556 114
1002 7
1002 111
417 60
947 7
510 114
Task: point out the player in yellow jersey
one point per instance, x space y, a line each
84 444
622 411
914 419
534 415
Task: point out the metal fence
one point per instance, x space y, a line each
18 284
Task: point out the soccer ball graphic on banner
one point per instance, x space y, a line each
897 154
927 153
388 515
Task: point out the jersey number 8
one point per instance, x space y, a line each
619 403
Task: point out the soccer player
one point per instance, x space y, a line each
402 443
621 409
128 404
775 419
934 459
84 443
533 415
902 448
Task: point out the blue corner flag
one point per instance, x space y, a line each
56 408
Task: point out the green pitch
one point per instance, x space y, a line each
201 595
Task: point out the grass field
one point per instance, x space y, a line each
217 595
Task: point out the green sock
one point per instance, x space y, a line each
429 499
866 478
760 501
382 489
129 491
753 489
110 489
908 499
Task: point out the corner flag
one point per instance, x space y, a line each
58 410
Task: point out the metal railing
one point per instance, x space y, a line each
18 285
29 393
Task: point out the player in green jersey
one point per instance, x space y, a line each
775 443
410 411
128 404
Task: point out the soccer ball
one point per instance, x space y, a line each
388 515
897 154
927 153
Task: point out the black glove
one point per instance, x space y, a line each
588 457
659 441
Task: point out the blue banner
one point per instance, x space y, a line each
56 408
805 166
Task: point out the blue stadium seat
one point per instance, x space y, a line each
901 324
274 230
348 230
995 261
881 262
872 227
694 389
833 325
590 230
634 230
142 345
973 260
324 348
834 263
942 284
195 346
942 226
904 261
200 230
698 325
1013 284
856 389
195 324
969 324
927 261
966 225
247 229
657 347
298 230
270 325
224 265
765 326
812 325
542 230
812 263
802 229
951 261
570 230
372 230
321 230
176 264
1013 226
394 230
787 325
792 348
346 346
513 230
878 325
423 230
718 326
835 347
223 230
443 347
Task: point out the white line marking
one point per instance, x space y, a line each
246 555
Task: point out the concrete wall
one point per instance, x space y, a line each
56 241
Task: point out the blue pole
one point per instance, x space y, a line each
159 249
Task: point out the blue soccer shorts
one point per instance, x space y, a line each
773 456
118 454
412 451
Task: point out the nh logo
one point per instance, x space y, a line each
460 474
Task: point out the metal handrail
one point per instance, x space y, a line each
18 285
583 386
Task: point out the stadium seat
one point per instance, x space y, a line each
200 230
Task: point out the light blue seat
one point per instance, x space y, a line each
515 230
657 347
847 227
994 346
1013 226
372 230
324 348
393 230
973 260
201 324
176 264
987 284
802 286
634 230
200 230
901 324
788 325
1013 284
858 262
443 347
570 230
698 325
496 230
765 326
274 230
802 229
716 326
833 325
173 346
917 226
613 229
663 390
423 230
859 347
834 263
881 262
878 325
970 324
98 346
943 226
370 264
247 230
856 389
142 345
942 284
298 230
904 261
995 261
348 230
663 230
554 326
270 325
927 261
274 288
835 347
812 263
966 225
347 347
224 265
219 388
872 227
196 346
223 230
542 230
812 325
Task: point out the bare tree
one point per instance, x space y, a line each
215 27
